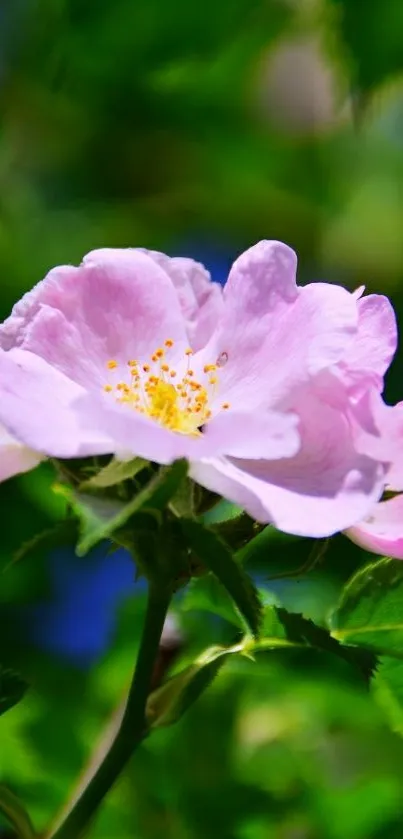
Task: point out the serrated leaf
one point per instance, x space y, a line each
167 704
280 627
15 812
370 611
207 594
100 517
114 473
12 688
217 557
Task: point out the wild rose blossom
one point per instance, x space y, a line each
265 387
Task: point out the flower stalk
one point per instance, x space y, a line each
133 727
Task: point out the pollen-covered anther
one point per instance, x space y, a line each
111 364
183 405
225 406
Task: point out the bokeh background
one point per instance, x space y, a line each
197 129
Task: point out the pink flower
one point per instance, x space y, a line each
265 389
381 532
14 457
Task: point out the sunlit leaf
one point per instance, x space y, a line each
114 473
370 611
168 703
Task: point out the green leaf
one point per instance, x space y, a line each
222 511
62 533
100 517
114 473
207 594
370 611
12 688
284 628
167 704
387 686
373 35
14 811
217 557
266 546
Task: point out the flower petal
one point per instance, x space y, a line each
200 299
268 434
271 435
379 434
119 304
325 488
374 345
14 457
382 531
38 407
273 335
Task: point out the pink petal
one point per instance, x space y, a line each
38 407
268 434
241 434
119 304
374 346
200 299
382 531
379 434
273 335
325 488
14 457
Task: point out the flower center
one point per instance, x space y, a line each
154 389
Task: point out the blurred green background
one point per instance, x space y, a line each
198 129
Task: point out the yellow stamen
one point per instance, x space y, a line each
182 407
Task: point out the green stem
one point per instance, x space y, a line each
133 727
